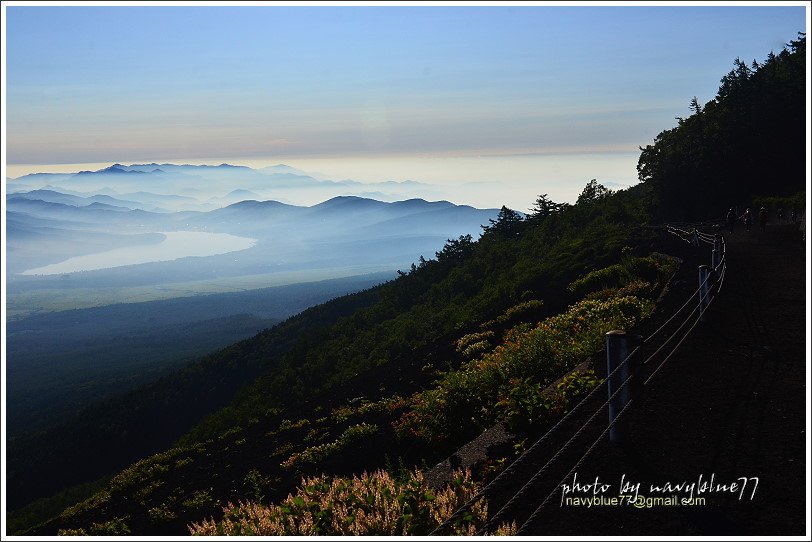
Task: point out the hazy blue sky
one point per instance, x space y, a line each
378 93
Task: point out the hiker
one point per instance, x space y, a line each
781 215
794 216
731 219
747 218
763 217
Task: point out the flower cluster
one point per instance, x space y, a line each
376 504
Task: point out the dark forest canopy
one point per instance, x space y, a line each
748 141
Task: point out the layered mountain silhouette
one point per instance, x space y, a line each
132 204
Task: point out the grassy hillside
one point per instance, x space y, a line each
397 376
295 415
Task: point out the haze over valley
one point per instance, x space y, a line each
106 266
340 270
159 224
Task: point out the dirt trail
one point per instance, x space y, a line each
731 402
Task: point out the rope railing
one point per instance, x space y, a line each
687 333
534 516
682 325
529 452
713 277
527 486
695 236
536 513
679 310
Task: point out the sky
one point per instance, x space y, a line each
503 102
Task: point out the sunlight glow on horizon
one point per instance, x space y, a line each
513 96
479 180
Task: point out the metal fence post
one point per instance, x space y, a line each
704 290
618 344
716 258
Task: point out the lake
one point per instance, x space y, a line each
177 244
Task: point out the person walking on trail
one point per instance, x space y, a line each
731 219
781 215
747 218
763 217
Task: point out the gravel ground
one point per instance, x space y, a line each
730 403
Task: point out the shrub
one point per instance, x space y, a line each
342 414
572 388
94 501
150 468
230 432
387 404
506 383
141 472
161 514
514 313
376 504
287 425
180 463
283 449
317 454
115 527
637 288
255 485
652 269
201 500
147 490
315 435
607 277
522 309
472 338
475 349
522 404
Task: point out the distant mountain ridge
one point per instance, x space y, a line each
209 186
348 229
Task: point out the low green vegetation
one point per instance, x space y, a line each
161 514
114 527
494 323
200 500
499 280
346 412
505 383
481 299
505 380
314 455
20 520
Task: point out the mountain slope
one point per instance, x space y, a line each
310 381
404 321
121 428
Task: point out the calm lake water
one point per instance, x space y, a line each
177 244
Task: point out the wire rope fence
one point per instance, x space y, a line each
624 384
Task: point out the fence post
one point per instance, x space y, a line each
618 344
716 259
704 290
695 239
717 242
